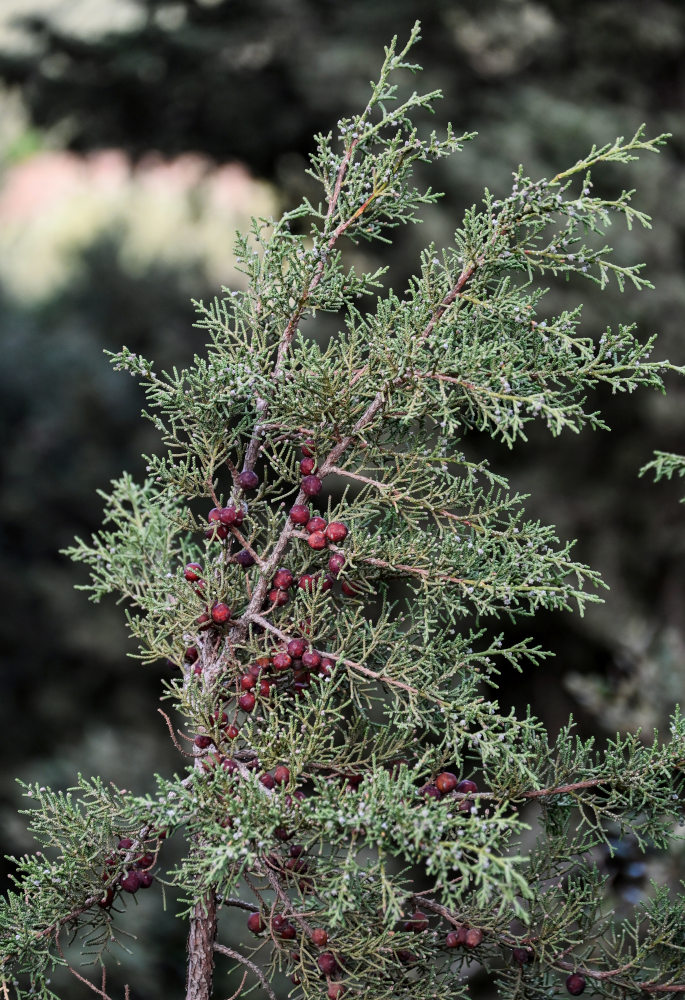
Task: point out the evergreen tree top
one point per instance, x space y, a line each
330 622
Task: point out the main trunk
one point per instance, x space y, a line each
201 949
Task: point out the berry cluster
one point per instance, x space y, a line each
137 874
279 925
221 519
471 937
418 922
321 535
445 783
288 671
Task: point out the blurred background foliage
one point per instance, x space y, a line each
135 137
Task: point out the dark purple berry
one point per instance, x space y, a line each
191 654
575 984
125 844
248 480
522 955
452 940
255 923
282 775
296 648
417 922
307 465
218 531
315 524
230 515
297 866
214 514
336 563
311 660
299 514
311 486
220 613
268 780
202 741
278 597
130 882
288 932
247 701
244 558
326 666
474 936
192 572
327 963
336 532
282 661
467 786
446 782
317 540
145 879
283 579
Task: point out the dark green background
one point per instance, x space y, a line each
251 82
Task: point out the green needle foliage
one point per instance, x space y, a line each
325 790
665 465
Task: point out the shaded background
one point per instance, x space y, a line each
135 137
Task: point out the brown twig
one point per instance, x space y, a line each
241 904
564 789
230 953
173 734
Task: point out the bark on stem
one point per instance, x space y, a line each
199 983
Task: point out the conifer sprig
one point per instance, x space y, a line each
329 623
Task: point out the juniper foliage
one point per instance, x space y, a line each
437 548
665 465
